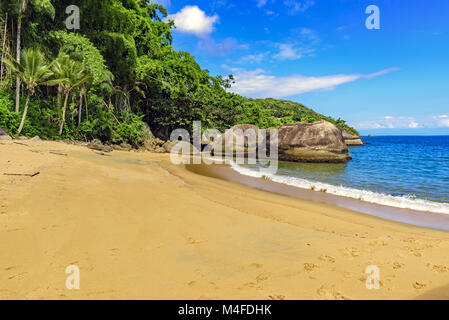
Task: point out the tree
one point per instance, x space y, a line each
33 71
70 75
41 6
22 7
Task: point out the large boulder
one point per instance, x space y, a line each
351 139
4 136
239 140
320 142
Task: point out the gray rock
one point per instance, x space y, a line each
152 143
122 147
4 136
99 146
227 142
320 142
36 138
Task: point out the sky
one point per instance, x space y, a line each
393 79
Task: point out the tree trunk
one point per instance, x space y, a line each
58 97
80 107
19 31
24 115
63 114
3 48
87 110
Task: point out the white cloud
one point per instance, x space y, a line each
442 121
413 125
259 84
288 52
192 19
298 6
301 43
253 58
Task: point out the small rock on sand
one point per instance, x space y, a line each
99 146
4 136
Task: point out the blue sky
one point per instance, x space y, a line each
319 52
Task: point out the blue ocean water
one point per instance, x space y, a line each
400 171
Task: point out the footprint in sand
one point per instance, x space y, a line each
411 240
438 268
263 277
259 281
353 252
277 297
397 265
192 241
309 267
114 251
329 259
419 285
378 243
414 252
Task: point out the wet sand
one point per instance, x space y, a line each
408 216
139 227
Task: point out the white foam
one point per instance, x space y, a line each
404 202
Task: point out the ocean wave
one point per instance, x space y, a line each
404 202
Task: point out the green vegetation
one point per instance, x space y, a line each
118 72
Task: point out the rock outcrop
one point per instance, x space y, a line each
236 141
151 143
320 142
4 136
97 145
351 139
122 147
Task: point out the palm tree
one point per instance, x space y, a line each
33 71
69 75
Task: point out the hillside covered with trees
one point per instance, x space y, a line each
113 75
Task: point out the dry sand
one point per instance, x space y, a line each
139 227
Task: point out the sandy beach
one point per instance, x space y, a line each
139 227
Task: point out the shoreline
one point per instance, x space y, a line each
438 221
140 227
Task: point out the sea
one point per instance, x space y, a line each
409 172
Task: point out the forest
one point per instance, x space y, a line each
113 76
